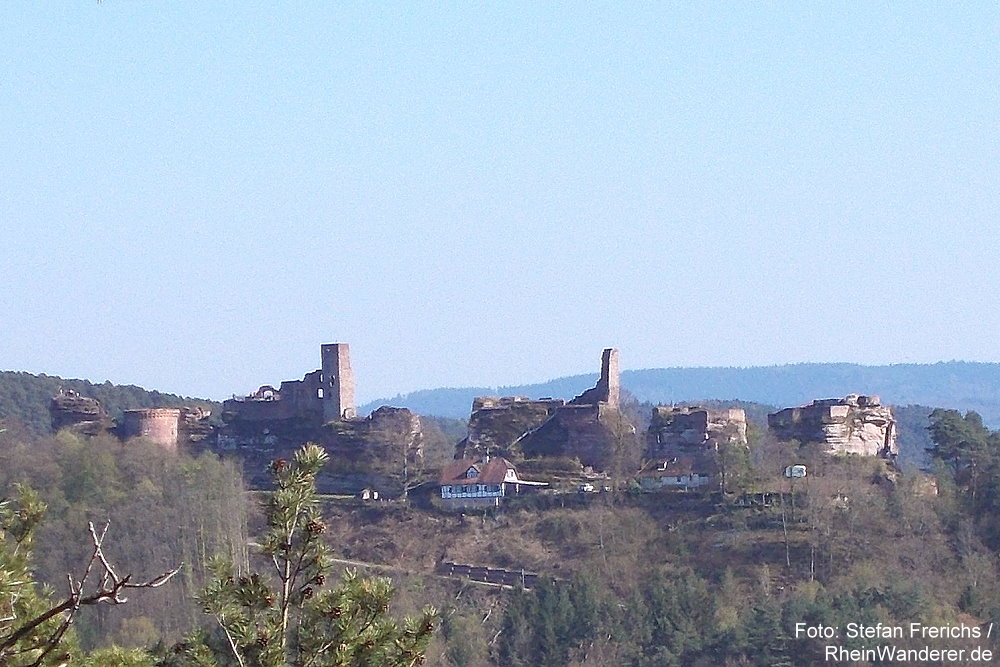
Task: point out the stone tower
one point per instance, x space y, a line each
337 382
608 387
156 424
610 384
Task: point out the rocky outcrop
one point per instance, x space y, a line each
674 428
497 423
590 433
855 424
194 425
382 452
68 409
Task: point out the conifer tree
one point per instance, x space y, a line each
292 617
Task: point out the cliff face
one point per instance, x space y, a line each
497 423
854 424
378 452
69 409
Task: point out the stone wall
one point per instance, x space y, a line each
323 395
855 424
677 428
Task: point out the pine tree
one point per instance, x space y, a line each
293 618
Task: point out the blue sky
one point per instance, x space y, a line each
194 196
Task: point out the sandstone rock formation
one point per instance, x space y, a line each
855 424
68 409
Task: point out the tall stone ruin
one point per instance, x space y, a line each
338 382
608 387
584 427
159 425
323 395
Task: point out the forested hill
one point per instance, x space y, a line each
954 384
25 397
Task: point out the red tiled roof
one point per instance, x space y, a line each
492 472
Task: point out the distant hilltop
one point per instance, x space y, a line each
955 384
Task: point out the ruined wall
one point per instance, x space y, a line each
608 387
673 429
323 395
587 427
157 424
855 424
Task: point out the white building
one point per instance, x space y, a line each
467 482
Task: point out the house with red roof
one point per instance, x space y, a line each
681 472
467 482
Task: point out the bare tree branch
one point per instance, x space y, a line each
108 591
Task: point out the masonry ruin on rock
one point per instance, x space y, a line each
855 424
682 445
372 452
167 427
519 427
323 395
682 428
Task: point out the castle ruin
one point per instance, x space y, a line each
674 428
583 427
167 427
159 425
326 394
855 424
374 452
